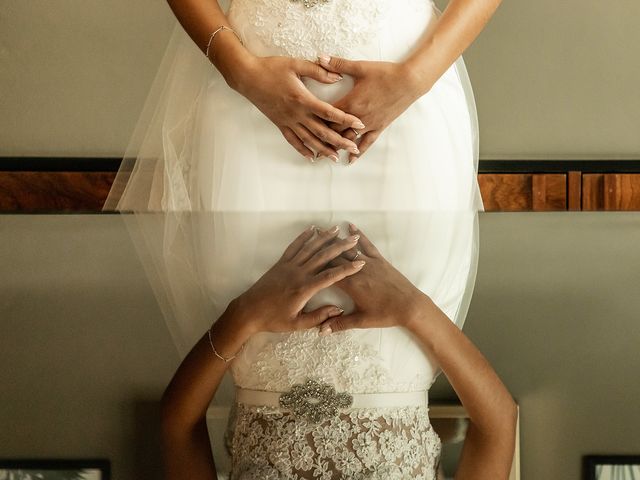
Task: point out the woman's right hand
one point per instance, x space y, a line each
273 85
382 295
275 302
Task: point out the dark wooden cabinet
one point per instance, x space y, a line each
506 186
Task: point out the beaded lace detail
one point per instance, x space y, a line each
335 27
339 359
364 443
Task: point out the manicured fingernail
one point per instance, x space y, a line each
334 158
353 149
335 76
358 124
310 228
359 263
325 330
310 158
353 227
334 229
335 311
353 238
324 58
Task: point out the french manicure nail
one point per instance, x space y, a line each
334 229
359 263
336 311
324 58
358 124
325 330
335 76
353 238
334 158
354 149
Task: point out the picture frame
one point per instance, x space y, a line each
611 467
55 469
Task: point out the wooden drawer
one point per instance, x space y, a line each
611 191
512 192
54 191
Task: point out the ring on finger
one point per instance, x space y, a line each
358 134
358 252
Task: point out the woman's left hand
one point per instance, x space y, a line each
381 92
383 296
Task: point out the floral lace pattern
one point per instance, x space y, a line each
339 359
334 27
364 443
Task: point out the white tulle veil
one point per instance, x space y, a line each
185 248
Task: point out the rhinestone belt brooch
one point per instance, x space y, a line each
315 400
310 3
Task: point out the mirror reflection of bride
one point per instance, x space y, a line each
388 127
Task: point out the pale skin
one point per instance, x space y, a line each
382 90
310 263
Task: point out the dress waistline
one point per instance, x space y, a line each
360 400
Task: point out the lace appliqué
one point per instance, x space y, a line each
365 443
335 27
310 3
338 359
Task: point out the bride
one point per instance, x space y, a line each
304 107
393 445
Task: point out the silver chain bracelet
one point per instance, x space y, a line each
213 34
216 352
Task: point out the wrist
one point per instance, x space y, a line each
420 311
239 319
416 76
232 60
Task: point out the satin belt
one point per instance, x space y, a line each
360 400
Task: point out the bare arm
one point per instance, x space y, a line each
458 26
200 18
488 449
185 439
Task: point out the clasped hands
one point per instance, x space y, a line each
381 92
317 259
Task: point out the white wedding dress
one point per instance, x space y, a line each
217 194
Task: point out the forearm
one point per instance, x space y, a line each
487 401
185 401
458 26
488 448
200 18
196 381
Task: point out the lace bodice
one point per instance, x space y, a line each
356 360
337 27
